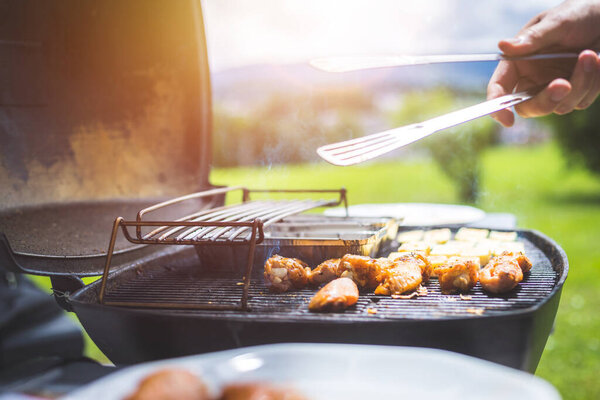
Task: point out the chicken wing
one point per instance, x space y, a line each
501 275
403 275
259 391
325 272
171 384
521 259
362 270
283 274
423 263
337 295
458 276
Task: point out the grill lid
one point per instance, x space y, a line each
105 103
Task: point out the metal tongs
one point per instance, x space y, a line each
368 147
358 63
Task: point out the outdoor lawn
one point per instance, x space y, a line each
536 185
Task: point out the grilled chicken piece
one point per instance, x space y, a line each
501 275
524 263
362 270
521 259
258 391
283 274
401 276
337 295
458 276
417 258
171 384
423 263
325 272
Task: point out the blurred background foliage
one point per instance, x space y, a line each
287 128
579 136
457 152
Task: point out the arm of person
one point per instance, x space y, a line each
568 84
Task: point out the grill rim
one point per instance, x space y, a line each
548 246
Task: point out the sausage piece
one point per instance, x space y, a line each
337 295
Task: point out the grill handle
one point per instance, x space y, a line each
7 258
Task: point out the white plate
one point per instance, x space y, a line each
414 214
344 372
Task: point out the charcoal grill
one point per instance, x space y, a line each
107 114
510 329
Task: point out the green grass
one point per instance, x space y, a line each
533 183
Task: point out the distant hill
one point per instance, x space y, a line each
251 83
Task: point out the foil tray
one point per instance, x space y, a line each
311 238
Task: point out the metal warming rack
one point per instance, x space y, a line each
238 224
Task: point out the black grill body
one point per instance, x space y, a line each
512 330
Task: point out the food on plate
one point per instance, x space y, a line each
171 384
283 274
459 275
403 275
259 391
437 235
325 272
410 236
503 236
362 270
501 275
179 384
471 234
337 295
423 247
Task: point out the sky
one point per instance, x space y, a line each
247 32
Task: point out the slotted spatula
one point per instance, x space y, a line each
355 151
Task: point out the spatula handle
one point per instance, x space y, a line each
476 111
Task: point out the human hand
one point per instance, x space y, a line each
569 84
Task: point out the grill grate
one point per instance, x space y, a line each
268 211
240 224
188 285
